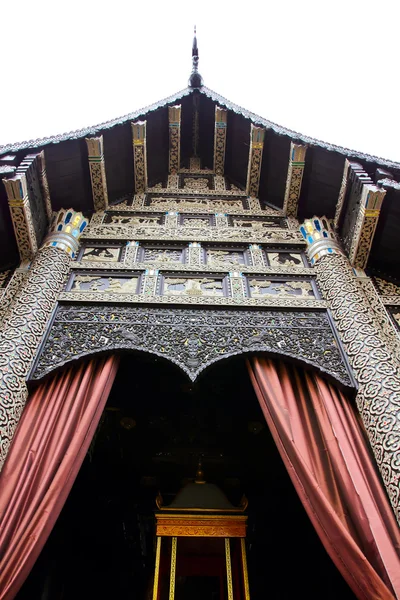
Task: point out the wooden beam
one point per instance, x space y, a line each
24 191
221 119
362 214
174 117
255 156
139 155
97 169
294 179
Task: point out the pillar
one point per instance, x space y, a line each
376 370
28 314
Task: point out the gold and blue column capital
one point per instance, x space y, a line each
320 238
65 231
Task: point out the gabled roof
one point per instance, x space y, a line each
69 179
215 97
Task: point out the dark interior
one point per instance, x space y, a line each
154 429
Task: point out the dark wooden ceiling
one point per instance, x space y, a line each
69 178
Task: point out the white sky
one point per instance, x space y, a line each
325 69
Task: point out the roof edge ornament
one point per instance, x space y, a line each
195 79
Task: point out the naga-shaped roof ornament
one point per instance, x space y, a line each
195 79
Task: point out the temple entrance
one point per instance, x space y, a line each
155 427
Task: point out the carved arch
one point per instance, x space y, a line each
192 339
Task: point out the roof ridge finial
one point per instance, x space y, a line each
195 79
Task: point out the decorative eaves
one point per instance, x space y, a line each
255 119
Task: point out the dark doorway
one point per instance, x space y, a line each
155 427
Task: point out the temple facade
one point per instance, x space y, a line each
196 235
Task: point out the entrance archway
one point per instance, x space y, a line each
155 426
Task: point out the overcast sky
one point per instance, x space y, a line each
326 69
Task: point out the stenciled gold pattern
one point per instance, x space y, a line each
294 179
139 155
174 116
97 172
221 121
255 157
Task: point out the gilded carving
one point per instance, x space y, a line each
257 224
218 233
192 286
97 172
387 288
139 155
195 183
376 369
342 193
192 339
44 184
289 259
381 315
290 301
21 333
100 254
163 256
255 156
262 287
174 116
96 283
219 182
224 258
18 200
221 121
294 179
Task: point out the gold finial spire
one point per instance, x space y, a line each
195 79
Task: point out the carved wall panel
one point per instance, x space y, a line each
217 233
103 283
258 224
285 259
192 339
101 254
192 286
225 258
260 288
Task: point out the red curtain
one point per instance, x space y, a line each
324 450
49 446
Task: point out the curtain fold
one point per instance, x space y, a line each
48 448
324 450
